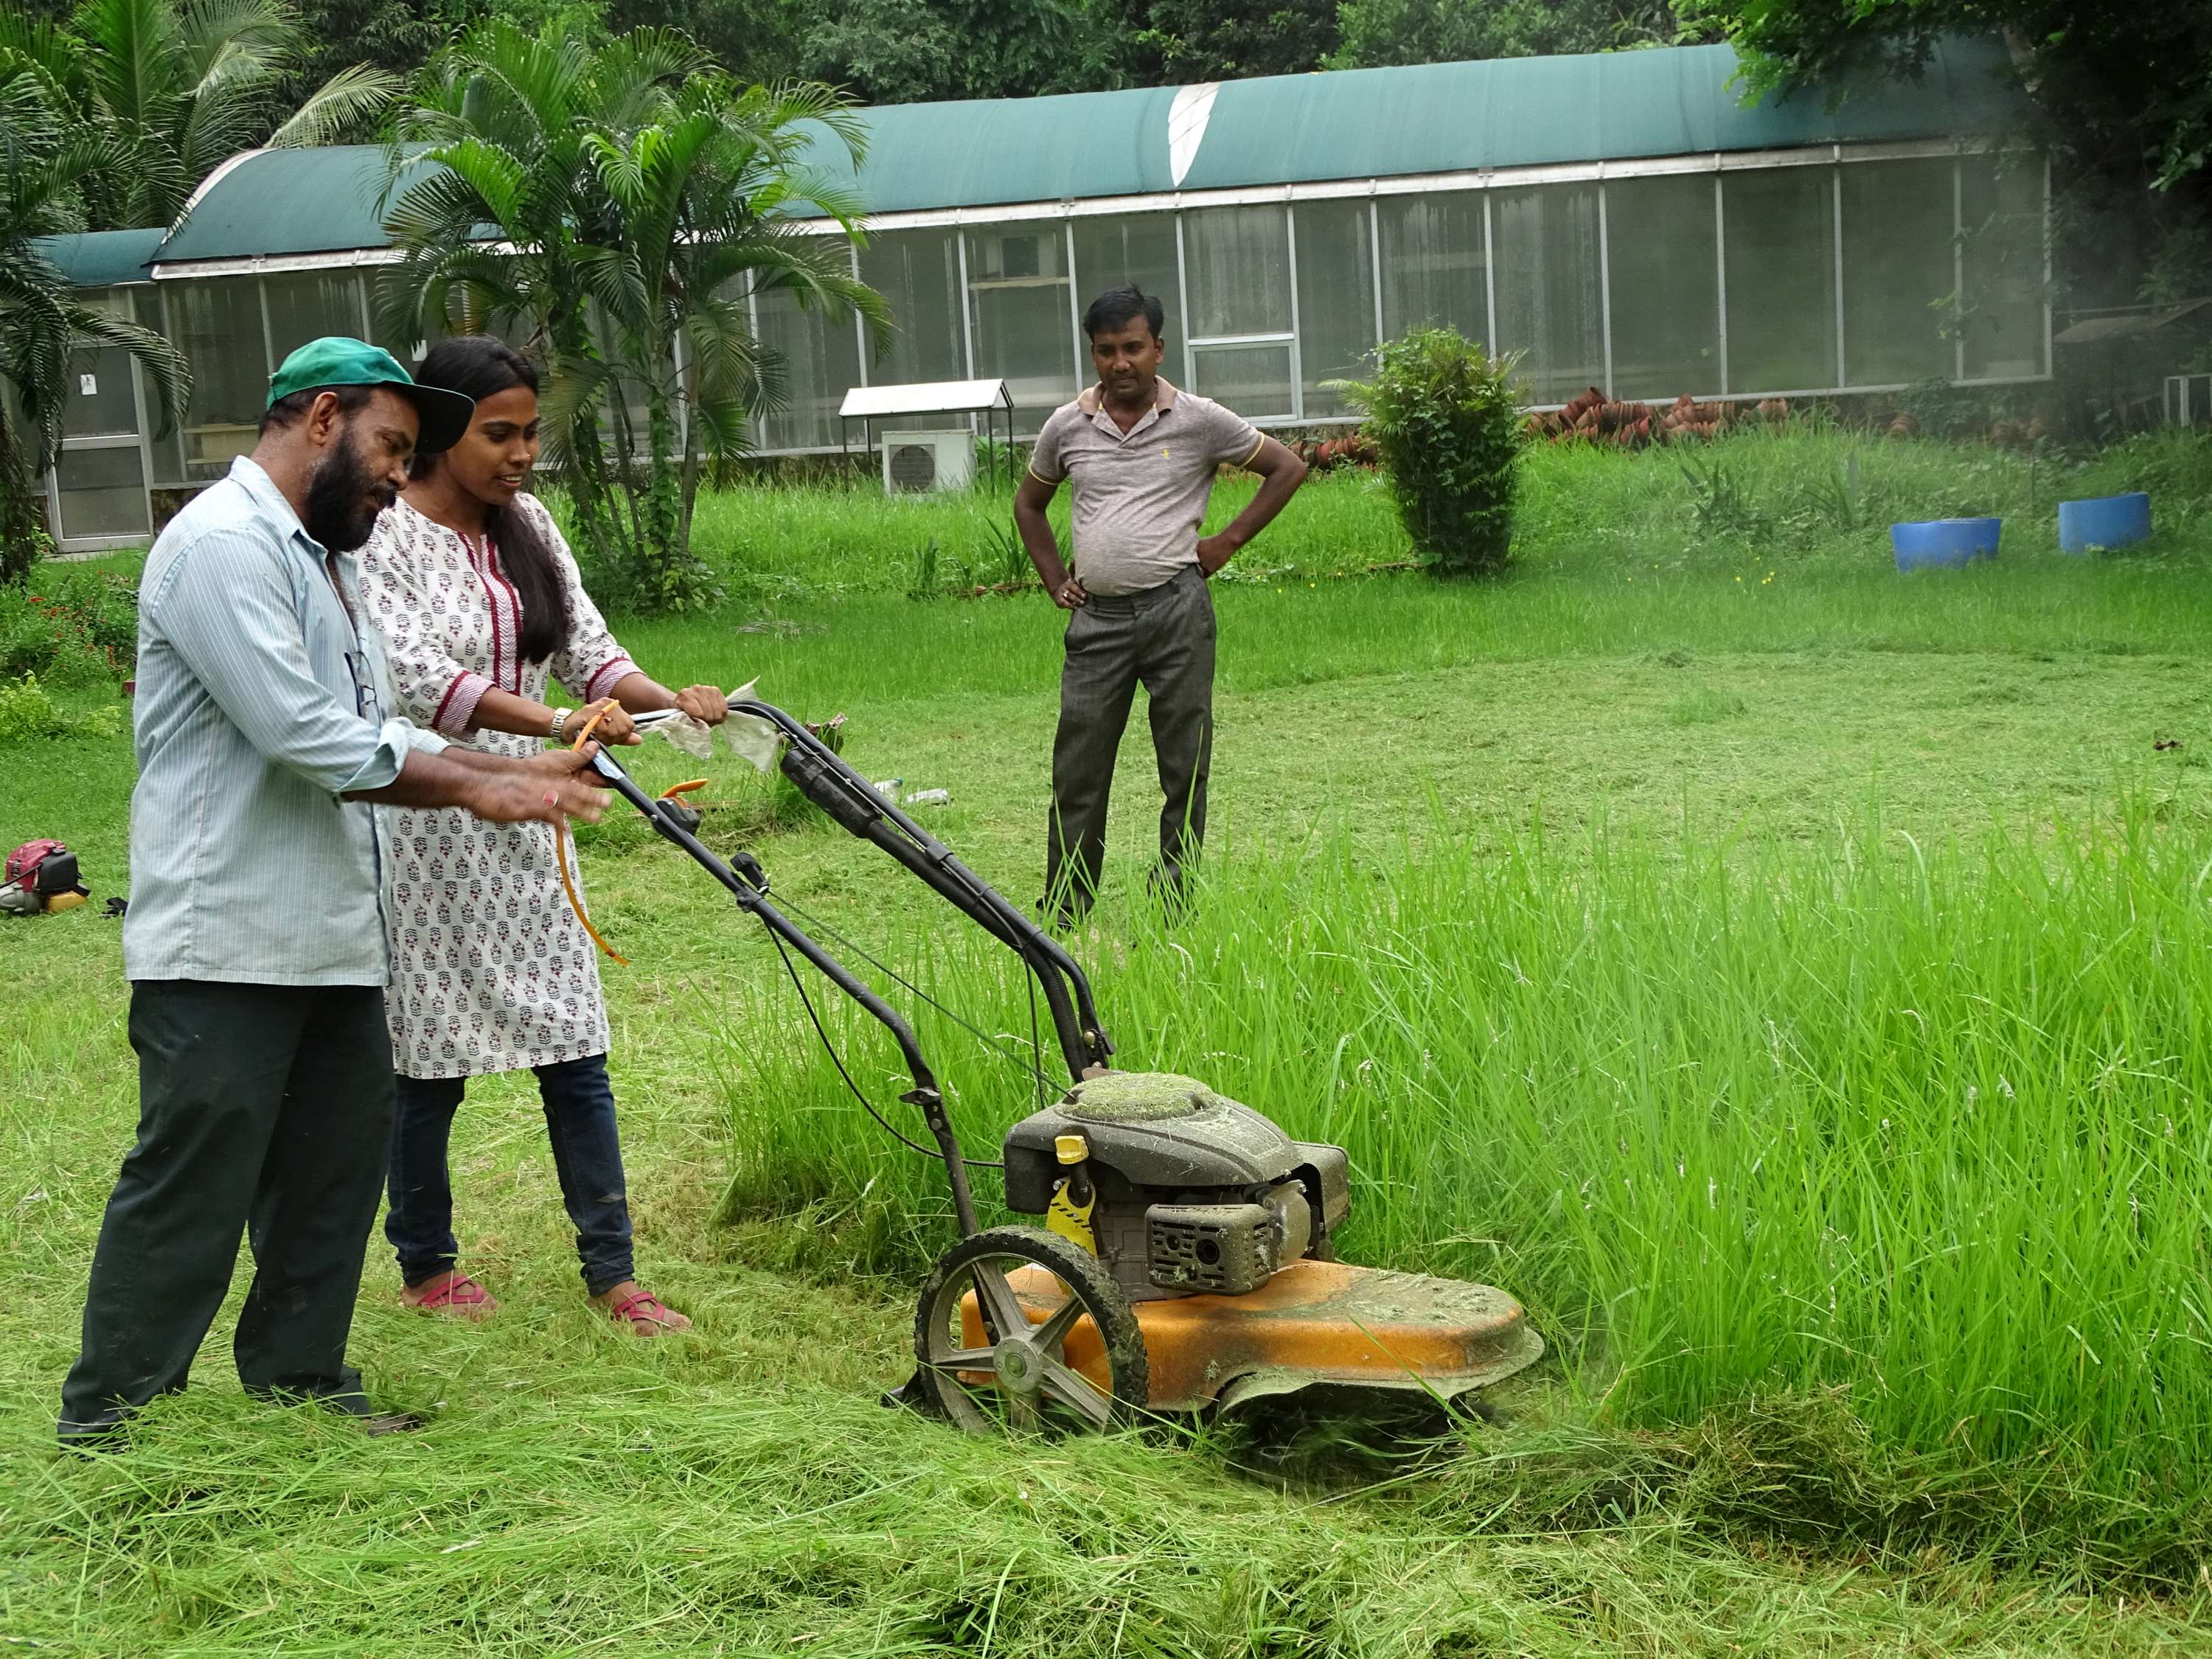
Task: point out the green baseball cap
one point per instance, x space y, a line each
334 360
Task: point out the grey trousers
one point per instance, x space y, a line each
1162 639
265 1109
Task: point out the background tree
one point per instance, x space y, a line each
638 197
42 325
1384 32
894 51
1226 40
175 90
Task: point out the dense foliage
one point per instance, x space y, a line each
1446 416
173 89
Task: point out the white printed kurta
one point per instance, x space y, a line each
490 971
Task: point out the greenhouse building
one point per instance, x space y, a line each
1625 221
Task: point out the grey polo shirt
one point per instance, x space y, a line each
1140 496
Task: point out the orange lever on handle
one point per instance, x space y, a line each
561 858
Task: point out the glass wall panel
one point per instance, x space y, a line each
217 326
819 362
101 492
2001 204
1435 268
1336 301
305 305
1113 251
99 402
1781 236
1255 381
918 274
1238 263
1023 314
1897 271
1663 269
1549 308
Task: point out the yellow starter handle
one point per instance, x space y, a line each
1064 1216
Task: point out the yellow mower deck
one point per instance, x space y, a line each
1311 1322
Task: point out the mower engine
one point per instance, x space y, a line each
1178 1191
40 878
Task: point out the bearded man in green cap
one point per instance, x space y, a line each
255 939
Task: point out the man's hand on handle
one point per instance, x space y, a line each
550 787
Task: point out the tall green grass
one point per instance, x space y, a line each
1925 1126
1805 493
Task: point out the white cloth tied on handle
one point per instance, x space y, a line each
748 737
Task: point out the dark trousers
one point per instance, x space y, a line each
580 1120
261 1109
1162 639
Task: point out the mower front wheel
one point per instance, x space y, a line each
1019 1330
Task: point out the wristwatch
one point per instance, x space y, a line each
560 720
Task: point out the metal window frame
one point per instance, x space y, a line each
1720 274
140 438
1959 271
1604 290
1836 242
1297 370
960 222
1489 278
1374 261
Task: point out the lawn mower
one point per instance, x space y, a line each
1186 1258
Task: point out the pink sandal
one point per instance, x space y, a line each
452 1293
643 1312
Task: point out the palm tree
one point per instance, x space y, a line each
179 87
618 206
41 324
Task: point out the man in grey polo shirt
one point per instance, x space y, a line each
255 941
1139 457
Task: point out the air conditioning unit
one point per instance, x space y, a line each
916 462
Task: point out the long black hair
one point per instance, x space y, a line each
480 366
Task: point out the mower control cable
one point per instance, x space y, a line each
996 1045
829 1048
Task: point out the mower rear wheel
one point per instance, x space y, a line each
993 1330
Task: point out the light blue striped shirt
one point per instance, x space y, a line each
259 705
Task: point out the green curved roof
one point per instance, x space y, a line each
1530 111
280 202
1277 130
102 259
1011 149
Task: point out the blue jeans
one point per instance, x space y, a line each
580 1120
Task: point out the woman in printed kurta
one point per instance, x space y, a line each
479 601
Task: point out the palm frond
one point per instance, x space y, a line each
343 104
134 62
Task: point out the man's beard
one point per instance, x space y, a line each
345 498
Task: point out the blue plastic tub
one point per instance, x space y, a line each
1929 542
2103 521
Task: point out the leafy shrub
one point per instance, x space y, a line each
1442 415
27 715
81 630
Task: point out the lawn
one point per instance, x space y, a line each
1786 976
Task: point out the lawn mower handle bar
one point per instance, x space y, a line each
754 900
820 773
